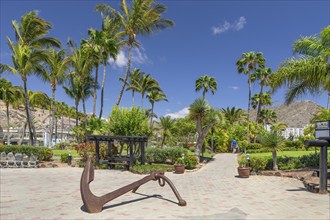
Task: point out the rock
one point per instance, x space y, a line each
278 174
54 165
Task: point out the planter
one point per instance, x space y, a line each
243 172
179 168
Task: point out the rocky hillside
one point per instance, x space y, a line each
17 118
295 115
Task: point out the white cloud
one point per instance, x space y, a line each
138 57
236 25
234 87
180 114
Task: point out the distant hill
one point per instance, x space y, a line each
295 115
17 118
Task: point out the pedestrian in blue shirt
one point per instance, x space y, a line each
234 146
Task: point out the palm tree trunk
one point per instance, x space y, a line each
258 112
248 115
55 130
132 97
8 125
102 89
163 141
62 127
152 114
23 133
130 47
27 110
84 108
199 139
274 159
142 103
76 104
94 92
52 118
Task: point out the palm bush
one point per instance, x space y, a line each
273 140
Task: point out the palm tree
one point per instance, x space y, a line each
140 18
38 99
206 83
206 117
73 90
9 94
155 96
247 65
133 82
267 116
263 75
233 115
321 115
27 54
167 124
57 65
310 72
147 84
273 140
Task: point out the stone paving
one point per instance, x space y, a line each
212 192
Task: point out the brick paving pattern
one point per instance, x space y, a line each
212 192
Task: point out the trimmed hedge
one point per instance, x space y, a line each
285 162
42 153
163 155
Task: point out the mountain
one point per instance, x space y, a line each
295 115
17 118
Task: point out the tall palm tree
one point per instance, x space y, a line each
140 18
273 140
133 81
247 65
310 72
155 96
146 84
263 75
73 90
27 54
206 117
9 94
167 124
206 83
57 65
38 99
233 115
267 116
321 115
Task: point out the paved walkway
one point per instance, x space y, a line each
213 192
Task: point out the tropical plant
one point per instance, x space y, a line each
139 18
205 117
321 115
310 72
233 115
133 81
248 64
147 84
167 125
10 95
128 122
268 116
155 95
27 54
57 65
206 82
263 75
275 141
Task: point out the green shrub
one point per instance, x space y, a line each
64 158
258 163
41 153
163 155
145 169
128 122
87 149
190 161
293 145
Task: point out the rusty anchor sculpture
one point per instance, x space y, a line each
94 204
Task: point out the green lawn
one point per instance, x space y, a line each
286 153
59 152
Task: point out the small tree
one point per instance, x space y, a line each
128 122
273 140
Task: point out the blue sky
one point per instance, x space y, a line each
207 39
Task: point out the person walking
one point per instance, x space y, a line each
234 146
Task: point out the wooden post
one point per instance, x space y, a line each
97 152
323 169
